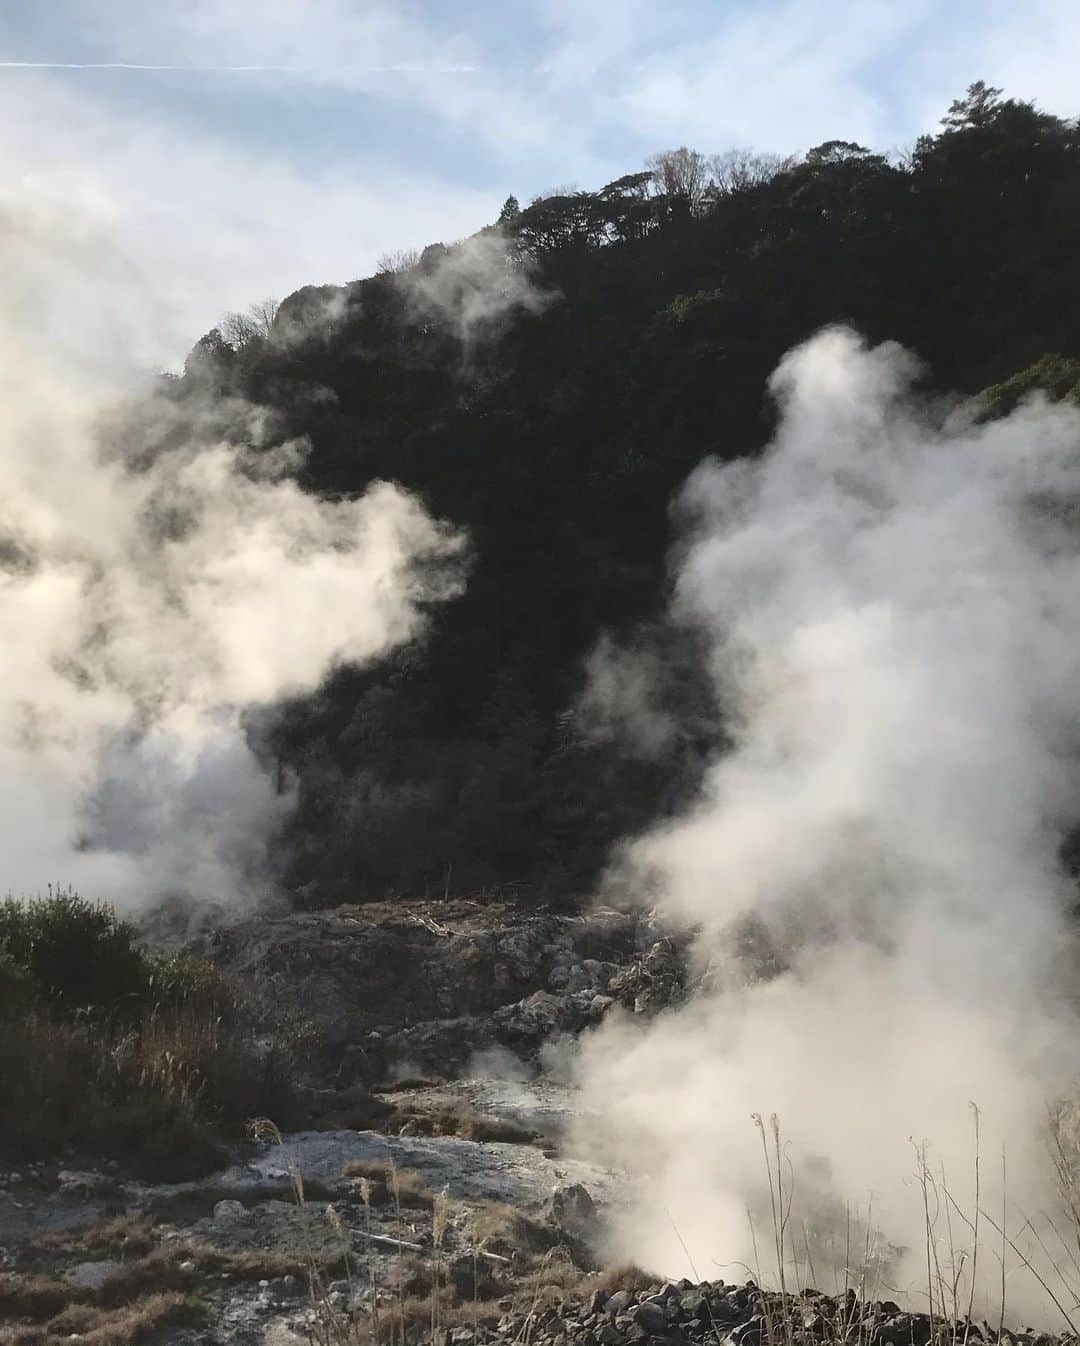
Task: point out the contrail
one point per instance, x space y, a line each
401 69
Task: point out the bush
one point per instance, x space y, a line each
77 956
155 1060
184 979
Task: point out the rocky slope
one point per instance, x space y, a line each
420 988
434 1198
434 1023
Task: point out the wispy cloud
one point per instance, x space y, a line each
403 68
415 100
215 223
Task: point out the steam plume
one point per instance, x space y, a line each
472 286
894 619
156 585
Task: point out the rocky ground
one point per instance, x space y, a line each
742 1315
419 989
305 1233
433 1172
432 1197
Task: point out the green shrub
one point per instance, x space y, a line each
77 956
186 979
1055 375
154 1060
16 987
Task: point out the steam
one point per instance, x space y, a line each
161 577
893 610
472 286
619 701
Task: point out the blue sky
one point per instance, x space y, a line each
396 124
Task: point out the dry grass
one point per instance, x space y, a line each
498 1258
162 1096
180 1264
404 1318
197 1203
124 1326
389 1185
121 1236
38 1297
162 1286
626 1276
443 1116
1043 1245
108 1050
509 1232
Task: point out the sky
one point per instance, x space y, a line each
237 149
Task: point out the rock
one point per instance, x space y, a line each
355 971
438 1047
531 1021
74 1183
352 1108
655 981
651 1317
230 1211
572 1209
90 1275
619 1302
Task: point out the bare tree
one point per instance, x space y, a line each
737 170
681 174
396 262
240 328
263 314
237 329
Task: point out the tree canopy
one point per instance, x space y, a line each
625 333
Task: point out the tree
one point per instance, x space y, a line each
738 170
681 175
209 359
977 108
839 152
240 328
552 223
635 185
558 443
630 210
511 210
396 262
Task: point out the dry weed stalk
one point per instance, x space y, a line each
440 1211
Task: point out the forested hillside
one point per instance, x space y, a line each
546 387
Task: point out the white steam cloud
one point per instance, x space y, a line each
158 584
620 700
894 616
472 286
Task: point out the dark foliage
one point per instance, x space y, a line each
72 955
558 434
153 1060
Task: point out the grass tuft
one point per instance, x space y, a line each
112 1052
